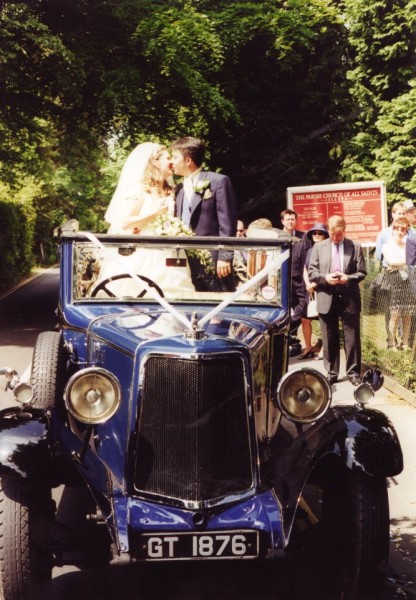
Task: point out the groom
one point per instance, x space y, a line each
206 202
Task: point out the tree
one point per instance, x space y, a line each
383 76
285 93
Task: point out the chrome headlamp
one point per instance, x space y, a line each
92 395
303 395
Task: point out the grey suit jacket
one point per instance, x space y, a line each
353 267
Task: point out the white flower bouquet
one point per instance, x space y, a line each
174 227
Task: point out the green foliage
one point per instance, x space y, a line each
16 243
285 93
382 77
33 83
396 157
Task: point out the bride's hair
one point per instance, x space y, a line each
152 177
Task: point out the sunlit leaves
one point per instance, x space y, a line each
382 146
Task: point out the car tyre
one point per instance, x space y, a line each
346 553
47 370
25 562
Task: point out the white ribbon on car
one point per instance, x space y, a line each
274 264
155 295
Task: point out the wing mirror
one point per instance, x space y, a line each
374 377
371 382
9 380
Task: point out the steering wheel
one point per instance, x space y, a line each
102 286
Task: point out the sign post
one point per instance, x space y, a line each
362 204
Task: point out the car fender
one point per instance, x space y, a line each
24 444
367 440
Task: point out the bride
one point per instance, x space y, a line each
143 194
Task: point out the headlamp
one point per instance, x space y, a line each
92 395
303 395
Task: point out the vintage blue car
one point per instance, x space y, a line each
174 406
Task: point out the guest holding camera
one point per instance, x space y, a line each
337 266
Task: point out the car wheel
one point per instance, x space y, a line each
47 370
345 551
356 523
24 561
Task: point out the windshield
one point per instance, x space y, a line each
142 270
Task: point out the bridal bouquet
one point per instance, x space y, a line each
166 224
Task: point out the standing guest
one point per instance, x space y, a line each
257 259
240 256
241 229
410 213
398 211
316 234
402 306
337 266
261 223
411 265
411 252
206 202
288 219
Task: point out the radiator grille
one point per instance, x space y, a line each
193 439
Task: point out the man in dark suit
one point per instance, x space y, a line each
411 263
206 202
288 218
337 266
411 251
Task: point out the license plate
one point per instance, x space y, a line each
197 546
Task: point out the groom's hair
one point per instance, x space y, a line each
191 147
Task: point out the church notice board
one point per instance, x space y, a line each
362 204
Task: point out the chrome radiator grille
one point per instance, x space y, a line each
193 438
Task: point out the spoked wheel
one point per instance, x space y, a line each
48 370
103 285
346 553
25 560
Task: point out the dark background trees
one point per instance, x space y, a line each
298 92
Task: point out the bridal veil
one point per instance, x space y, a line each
131 179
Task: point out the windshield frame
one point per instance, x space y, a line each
281 243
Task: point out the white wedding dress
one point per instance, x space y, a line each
167 268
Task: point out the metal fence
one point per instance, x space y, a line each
389 322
